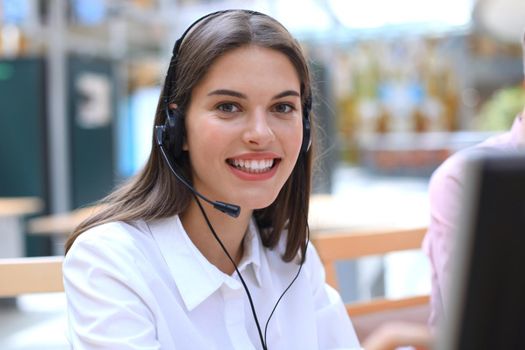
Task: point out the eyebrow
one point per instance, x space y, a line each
241 95
286 93
228 93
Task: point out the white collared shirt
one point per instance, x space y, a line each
146 286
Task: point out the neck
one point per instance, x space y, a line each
230 231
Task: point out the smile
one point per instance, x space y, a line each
252 166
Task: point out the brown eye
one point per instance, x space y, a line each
283 108
228 108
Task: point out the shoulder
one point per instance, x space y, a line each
451 171
115 241
117 232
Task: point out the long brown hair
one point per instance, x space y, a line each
155 193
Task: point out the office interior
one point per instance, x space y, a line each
400 87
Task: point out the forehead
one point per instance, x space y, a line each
252 66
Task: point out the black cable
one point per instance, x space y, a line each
293 280
252 306
263 343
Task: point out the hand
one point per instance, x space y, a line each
395 334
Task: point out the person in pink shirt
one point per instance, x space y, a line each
445 194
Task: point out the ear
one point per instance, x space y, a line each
175 129
184 143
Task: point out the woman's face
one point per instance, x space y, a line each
244 127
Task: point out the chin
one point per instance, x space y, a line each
259 202
259 205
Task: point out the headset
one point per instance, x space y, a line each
169 137
173 131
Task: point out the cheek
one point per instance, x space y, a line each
206 140
294 139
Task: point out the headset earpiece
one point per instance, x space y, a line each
307 132
174 132
307 140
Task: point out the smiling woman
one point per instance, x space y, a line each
159 267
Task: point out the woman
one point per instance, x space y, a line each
160 267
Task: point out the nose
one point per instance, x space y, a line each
258 132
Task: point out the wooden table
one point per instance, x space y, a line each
60 224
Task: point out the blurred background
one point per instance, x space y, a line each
400 86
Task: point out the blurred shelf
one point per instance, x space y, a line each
413 154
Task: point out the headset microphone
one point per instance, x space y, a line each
227 208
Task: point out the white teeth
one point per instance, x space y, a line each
253 166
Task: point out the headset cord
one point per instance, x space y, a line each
263 343
303 257
252 306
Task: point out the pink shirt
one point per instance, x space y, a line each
445 191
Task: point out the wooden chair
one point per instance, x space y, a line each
345 245
30 275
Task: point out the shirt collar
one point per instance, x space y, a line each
195 277
252 251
